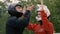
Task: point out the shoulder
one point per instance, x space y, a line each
50 24
12 18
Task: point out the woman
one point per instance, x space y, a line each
43 25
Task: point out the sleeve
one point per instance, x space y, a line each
44 18
50 30
24 22
27 15
30 26
46 23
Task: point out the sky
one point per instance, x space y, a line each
13 1
10 0
2 0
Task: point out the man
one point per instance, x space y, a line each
43 25
14 24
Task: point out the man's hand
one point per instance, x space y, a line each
24 9
30 7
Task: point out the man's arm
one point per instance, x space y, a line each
26 17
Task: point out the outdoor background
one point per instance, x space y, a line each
53 5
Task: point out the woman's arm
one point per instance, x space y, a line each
48 25
30 26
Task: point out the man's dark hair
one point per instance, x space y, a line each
19 5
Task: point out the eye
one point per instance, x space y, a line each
18 7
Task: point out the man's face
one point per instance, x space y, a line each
18 9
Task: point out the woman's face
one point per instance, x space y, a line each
38 17
18 9
39 14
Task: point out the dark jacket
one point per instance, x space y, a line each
15 25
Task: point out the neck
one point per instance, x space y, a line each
40 22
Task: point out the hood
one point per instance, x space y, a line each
12 11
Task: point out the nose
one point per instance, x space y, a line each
39 13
